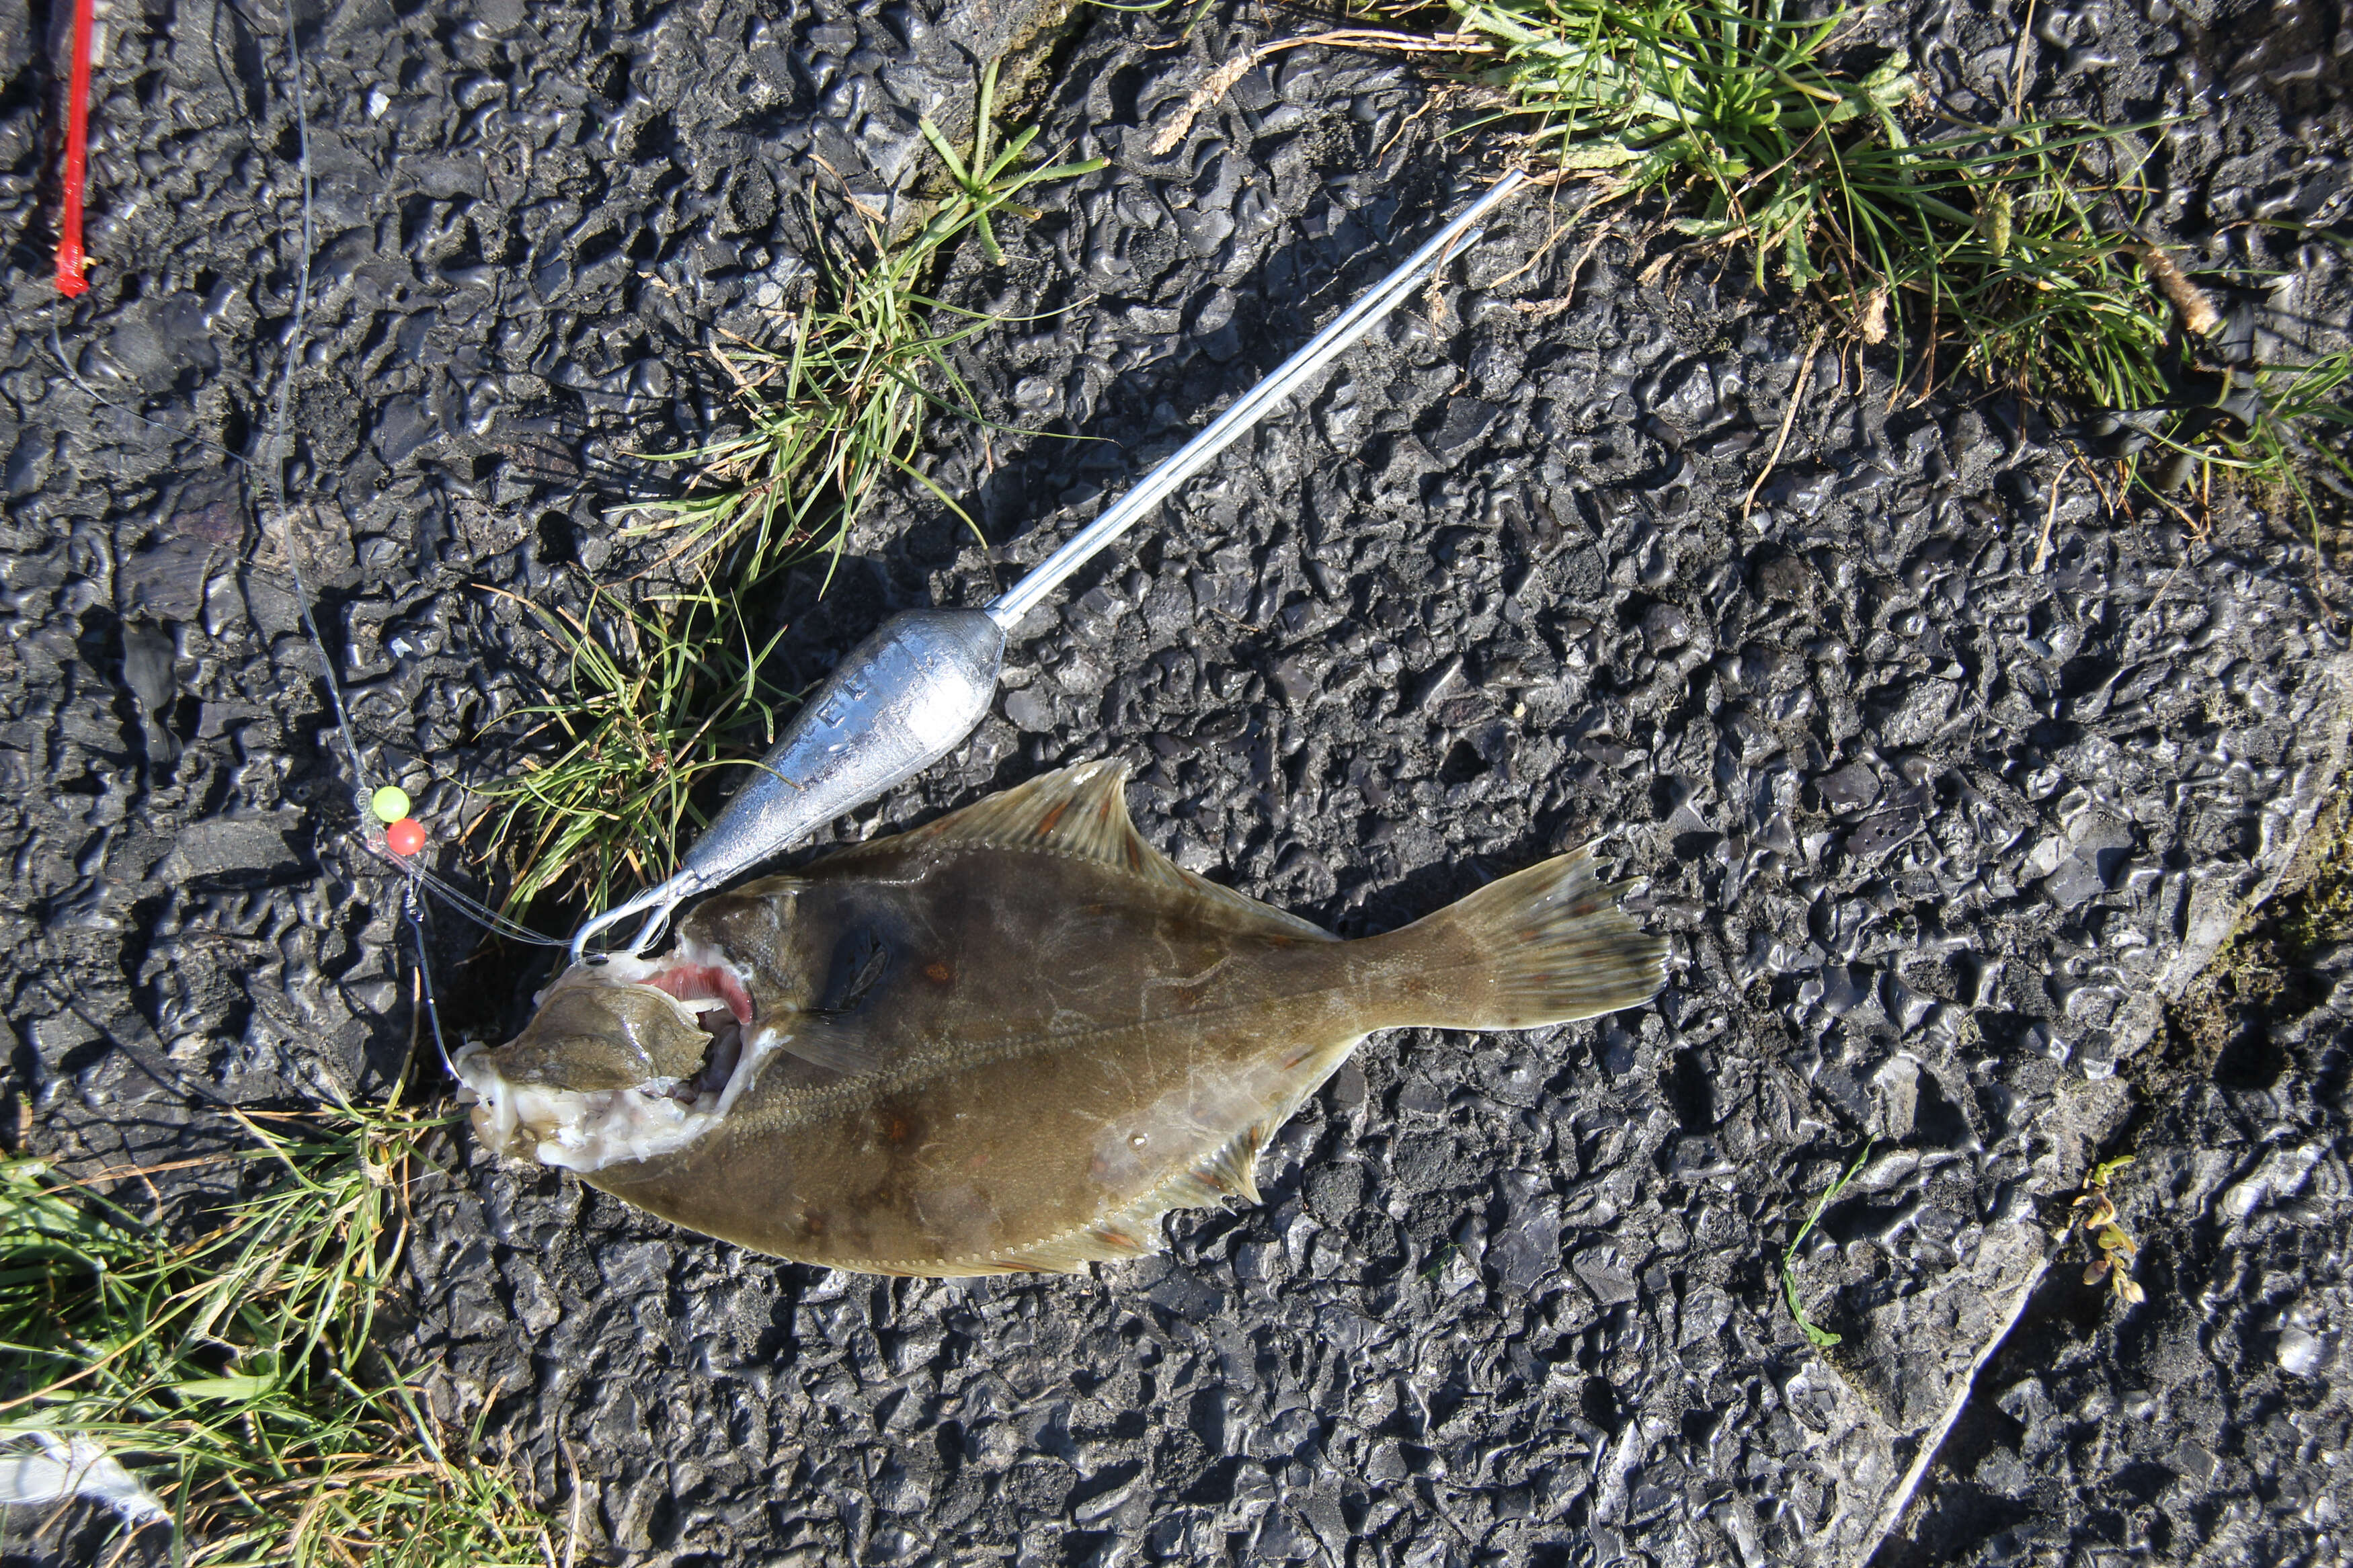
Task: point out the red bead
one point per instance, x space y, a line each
406 836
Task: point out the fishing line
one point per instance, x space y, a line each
482 915
463 902
415 918
276 467
58 353
153 1059
415 875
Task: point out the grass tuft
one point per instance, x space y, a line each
837 399
2285 428
666 693
1983 242
662 694
2009 256
226 1356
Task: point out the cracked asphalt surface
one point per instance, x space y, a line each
1948 787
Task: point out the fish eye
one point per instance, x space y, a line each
595 961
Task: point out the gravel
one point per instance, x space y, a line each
1947 791
2205 1420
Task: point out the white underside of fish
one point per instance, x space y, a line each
588 1130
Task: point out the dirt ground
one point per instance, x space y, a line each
2242 1098
1956 793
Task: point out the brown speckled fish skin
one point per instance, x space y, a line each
1069 1035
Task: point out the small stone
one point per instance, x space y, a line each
1853 787
1527 1248
1443 682
216 846
166 580
2300 1353
1665 627
2193 1461
1785 578
1466 420
1598 1268
2075 882
1919 713
1697 1158
1296 684
402 427
1029 712
1876 836
1801 491
2024 1401
1686 395
1096 1511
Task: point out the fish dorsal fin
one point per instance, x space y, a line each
1082 811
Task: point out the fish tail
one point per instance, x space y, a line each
1545 945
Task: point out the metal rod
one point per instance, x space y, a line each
1253 405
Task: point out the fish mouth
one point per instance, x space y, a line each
693 977
587 1129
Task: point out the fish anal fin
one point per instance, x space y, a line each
1133 1231
1232 1170
1082 811
1105 1242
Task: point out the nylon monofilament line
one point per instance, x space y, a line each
466 906
362 785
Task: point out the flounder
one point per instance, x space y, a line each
1007 1041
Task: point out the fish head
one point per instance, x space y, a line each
623 1059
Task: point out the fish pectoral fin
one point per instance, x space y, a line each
822 1043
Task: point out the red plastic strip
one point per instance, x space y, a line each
72 264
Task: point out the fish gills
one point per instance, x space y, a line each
1014 1039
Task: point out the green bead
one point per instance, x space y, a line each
390 804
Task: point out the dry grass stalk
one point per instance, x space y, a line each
2199 315
1221 81
1874 325
1204 97
1788 419
2050 519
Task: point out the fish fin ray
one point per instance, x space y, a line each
1082 811
828 1045
1550 945
1231 1171
1107 1241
